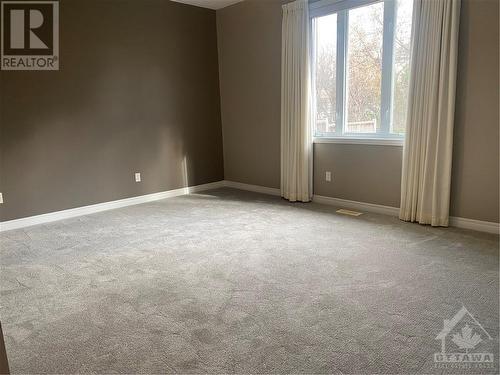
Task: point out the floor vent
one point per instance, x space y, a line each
349 212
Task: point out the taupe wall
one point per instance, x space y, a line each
249 40
249 54
363 173
138 91
475 175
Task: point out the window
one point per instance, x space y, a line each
361 68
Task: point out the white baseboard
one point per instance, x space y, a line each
355 205
479 225
254 188
458 222
94 208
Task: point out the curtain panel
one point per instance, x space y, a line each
296 139
427 155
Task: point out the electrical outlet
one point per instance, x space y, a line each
137 177
328 176
1 198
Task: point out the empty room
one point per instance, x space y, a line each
249 187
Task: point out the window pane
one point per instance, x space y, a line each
326 73
364 67
401 70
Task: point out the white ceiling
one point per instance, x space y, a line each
211 4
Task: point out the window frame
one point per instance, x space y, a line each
341 8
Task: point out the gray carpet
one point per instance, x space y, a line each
236 282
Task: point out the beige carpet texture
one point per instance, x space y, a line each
228 281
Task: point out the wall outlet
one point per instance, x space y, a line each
1 198
328 176
137 177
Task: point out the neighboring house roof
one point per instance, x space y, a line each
449 324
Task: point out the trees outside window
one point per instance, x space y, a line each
353 86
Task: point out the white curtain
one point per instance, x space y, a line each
426 177
296 142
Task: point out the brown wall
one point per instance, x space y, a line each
137 91
250 53
4 362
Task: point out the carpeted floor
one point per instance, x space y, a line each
230 281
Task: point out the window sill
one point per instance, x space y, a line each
399 142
